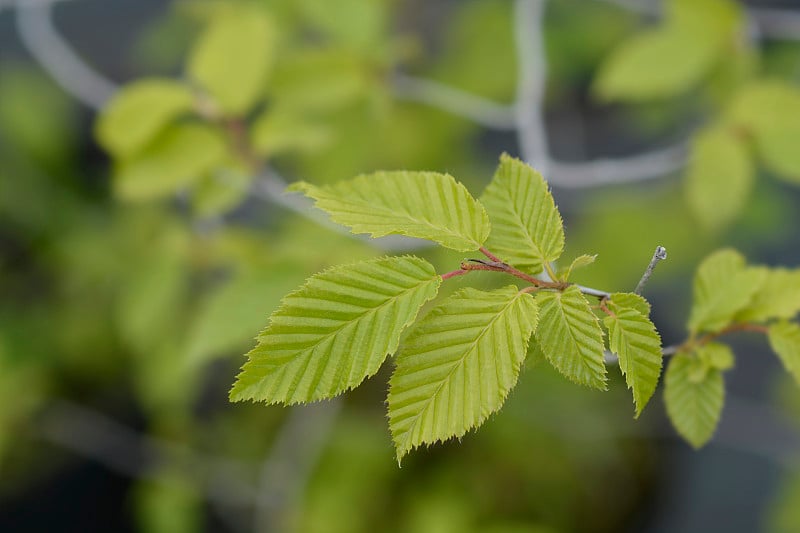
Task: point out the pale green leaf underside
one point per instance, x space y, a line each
778 297
527 230
336 330
458 365
723 286
784 338
138 112
232 58
636 342
427 205
632 301
693 406
719 178
570 336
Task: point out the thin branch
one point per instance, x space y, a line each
659 255
291 461
532 78
35 26
461 103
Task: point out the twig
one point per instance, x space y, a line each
35 26
532 78
289 464
659 255
461 103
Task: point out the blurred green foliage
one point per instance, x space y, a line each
134 286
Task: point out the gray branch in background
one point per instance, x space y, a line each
34 22
479 110
531 84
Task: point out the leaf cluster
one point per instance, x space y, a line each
456 365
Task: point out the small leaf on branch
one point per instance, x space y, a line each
527 230
632 301
427 205
716 355
138 112
579 262
458 365
693 405
723 286
336 330
784 338
636 342
778 297
570 336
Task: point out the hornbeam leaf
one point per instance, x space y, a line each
636 342
723 286
570 336
778 297
458 365
527 230
693 405
631 300
336 330
427 205
784 338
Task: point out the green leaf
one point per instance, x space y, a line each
176 158
336 330
631 300
784 338
770 111
715 355
274 133
578 262
427 205
570 336
778 297
723 286
233 57
220 191
662 63
719 178
527 230
636 342
139 112
674 57
693 406
458 365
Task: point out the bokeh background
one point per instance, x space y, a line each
133 281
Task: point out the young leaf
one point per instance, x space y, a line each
427 205
636 342
716 355
723 286
570 336
138 112
719 178
693 405
336 330
632 301
233 57
578 262
778 297
770 111
527 230
458 365
173 160
784 338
